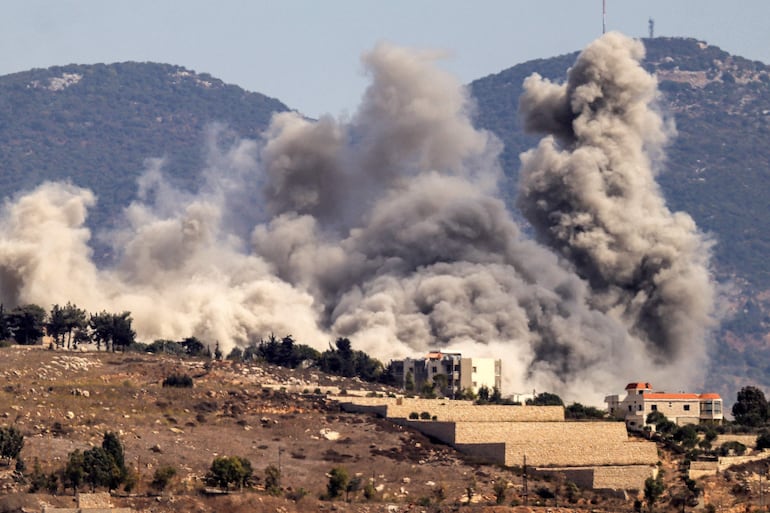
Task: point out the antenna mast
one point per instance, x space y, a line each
651 24
604 16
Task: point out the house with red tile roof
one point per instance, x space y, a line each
680 408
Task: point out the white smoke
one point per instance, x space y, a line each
387 229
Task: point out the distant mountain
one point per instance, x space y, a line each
718 170
95 125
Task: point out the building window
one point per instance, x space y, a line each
686 407
629 408
639 407
435 369
457 367
654 407
474 369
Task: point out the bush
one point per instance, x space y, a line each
162 477
338 482
763 440
425 415
272 480
227 470
178 381
414 415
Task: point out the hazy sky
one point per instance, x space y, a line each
306 53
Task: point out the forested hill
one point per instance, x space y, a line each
95 125
718 170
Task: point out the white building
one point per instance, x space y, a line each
680 408
451 369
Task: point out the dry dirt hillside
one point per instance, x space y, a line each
62 401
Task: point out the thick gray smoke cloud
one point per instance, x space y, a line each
589 190
389 229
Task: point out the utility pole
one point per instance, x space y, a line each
524 481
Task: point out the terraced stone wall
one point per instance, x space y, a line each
454 411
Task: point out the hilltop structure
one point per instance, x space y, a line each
450 371
680 408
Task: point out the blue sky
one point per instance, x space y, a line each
306 53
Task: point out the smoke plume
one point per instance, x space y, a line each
389 229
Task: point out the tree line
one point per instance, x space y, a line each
68 326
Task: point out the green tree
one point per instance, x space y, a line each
763 440
162 477
122 333
75 322
5 327
338 482
235 355
272 480
578 411
229 470
653 489
101 326
56 326
27 323
100 469
546 399
687 436
194 347
11 443
74 472
112 445
750 409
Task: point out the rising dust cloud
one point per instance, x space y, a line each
388 228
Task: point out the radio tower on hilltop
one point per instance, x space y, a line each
651 24
604 16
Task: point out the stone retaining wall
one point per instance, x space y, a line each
606 477
452 411
544 443
598 454
568 454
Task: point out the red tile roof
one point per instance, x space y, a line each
680 397
638 386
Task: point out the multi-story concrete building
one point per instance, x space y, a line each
680 408
450 370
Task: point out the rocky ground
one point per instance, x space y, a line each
62 401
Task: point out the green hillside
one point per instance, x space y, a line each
95 125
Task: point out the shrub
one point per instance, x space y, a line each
178 381
227 470
338 482
297 495
370 492
162 477
272 480
425 415
414 415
